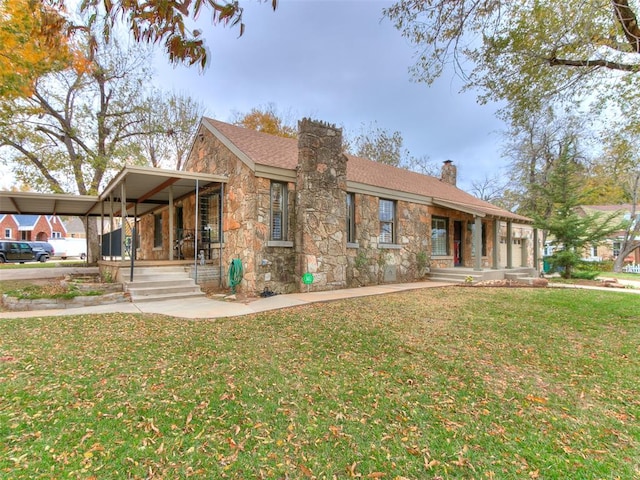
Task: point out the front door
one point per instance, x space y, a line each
457 243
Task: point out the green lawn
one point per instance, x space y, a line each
456 383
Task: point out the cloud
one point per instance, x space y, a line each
341 62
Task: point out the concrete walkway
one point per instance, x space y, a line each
202 307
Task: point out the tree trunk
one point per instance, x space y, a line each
94 254
625 250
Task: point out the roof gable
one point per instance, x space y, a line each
26 221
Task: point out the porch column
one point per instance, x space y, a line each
101 241
496 244
536 252
477 243
509 244
171 221
525 252
111 226
123 219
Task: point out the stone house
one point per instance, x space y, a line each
609 249
290 207
31 227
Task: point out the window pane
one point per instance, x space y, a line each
386 210
439 236
278 205
157 230
351 223
386 215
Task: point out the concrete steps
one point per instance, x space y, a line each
160 283
466 275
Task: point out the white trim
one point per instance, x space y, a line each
389 246
279 243
275 173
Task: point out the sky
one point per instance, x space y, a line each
341 62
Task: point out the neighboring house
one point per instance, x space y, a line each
74 227
31 227
609 249
289 207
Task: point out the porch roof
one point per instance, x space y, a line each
148 188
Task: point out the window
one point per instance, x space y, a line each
387 217
278 211
157 230
616 248
439 236
594 250
210 217
7 233
56 235
351 218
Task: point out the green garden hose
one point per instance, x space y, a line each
235 274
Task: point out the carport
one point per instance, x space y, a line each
133 192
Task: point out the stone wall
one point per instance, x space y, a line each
321 196
373 263
246 216
146 250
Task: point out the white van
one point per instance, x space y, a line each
70 247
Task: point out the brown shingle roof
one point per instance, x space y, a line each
274 151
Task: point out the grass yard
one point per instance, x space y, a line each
456 383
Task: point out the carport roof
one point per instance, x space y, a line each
144 186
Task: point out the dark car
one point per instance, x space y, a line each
15 252
42 251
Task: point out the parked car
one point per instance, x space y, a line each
42 251
15 252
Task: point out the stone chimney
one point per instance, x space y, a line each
321 198
449 172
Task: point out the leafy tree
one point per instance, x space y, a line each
534 147
622 173
529 53
149 21
570 232
78 126
267 119
30 45
490 189
382 146
171 122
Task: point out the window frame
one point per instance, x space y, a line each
351 217
434 227
384 221
8 233
616 247
280 210
157 230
